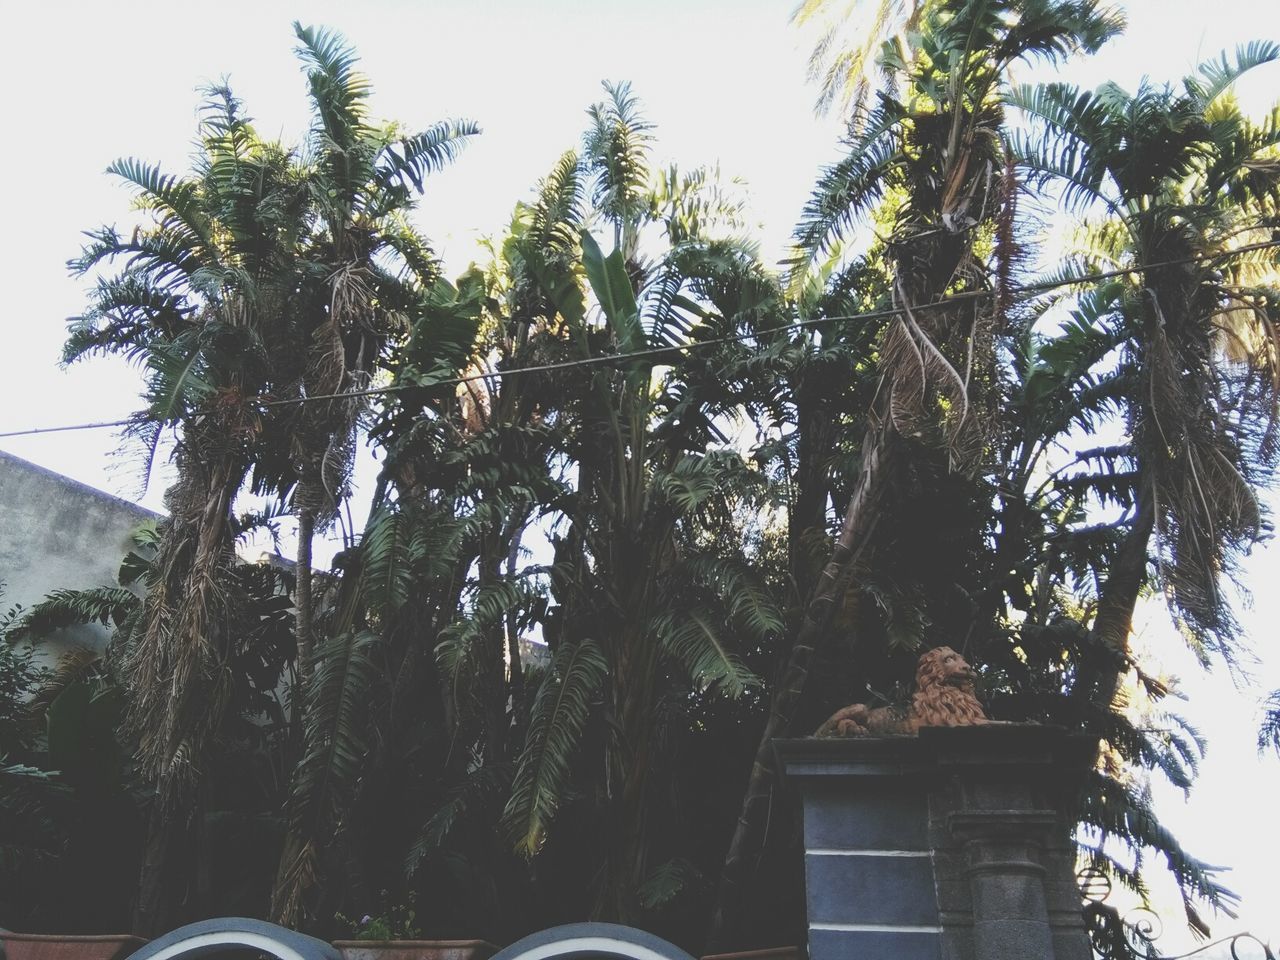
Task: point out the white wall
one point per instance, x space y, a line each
57 533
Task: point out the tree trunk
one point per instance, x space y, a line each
152 910
304 605
515 668
859 522
626 855
174 709
1114 622
493 680
816 430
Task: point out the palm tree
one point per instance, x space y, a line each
1057 530
360 255
371 281
199 301
933 159
397 589
263 278
643 591
1187 188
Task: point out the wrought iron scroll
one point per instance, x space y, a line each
1133 934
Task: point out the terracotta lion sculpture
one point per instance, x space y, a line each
944 697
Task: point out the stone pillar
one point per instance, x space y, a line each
951 845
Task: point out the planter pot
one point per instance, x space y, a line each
776 953
40 946
415 949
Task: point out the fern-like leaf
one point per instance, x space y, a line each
559 717
693 641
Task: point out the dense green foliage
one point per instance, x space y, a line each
728 498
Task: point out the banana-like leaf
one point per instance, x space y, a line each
612 287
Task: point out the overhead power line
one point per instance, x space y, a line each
613 358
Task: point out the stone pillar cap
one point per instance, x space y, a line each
986 746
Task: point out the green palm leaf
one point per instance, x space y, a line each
559 716
339 92
412 158
691 640
558 214
617 154
1216 77
334 755
486 783
177 201
1269 730
848 190
388 549
65 608
178 383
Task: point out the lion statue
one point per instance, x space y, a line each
944 697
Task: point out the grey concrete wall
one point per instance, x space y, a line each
57 533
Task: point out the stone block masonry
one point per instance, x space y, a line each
951 845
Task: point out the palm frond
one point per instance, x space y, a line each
843 59
412 158
558 214
1269 729
65 608
389 555
1215 77
1123 811
848 190
616 153
179 380
556 724
339 93
486 784
667 881
177 202
700 648
333 759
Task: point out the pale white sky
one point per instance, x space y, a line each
724 82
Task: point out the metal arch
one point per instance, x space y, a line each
228 933
595 940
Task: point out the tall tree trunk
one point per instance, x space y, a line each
817 433
636 560
304 605
175 710
626 858
1119 597
859 523
493 680
515 668
152 909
